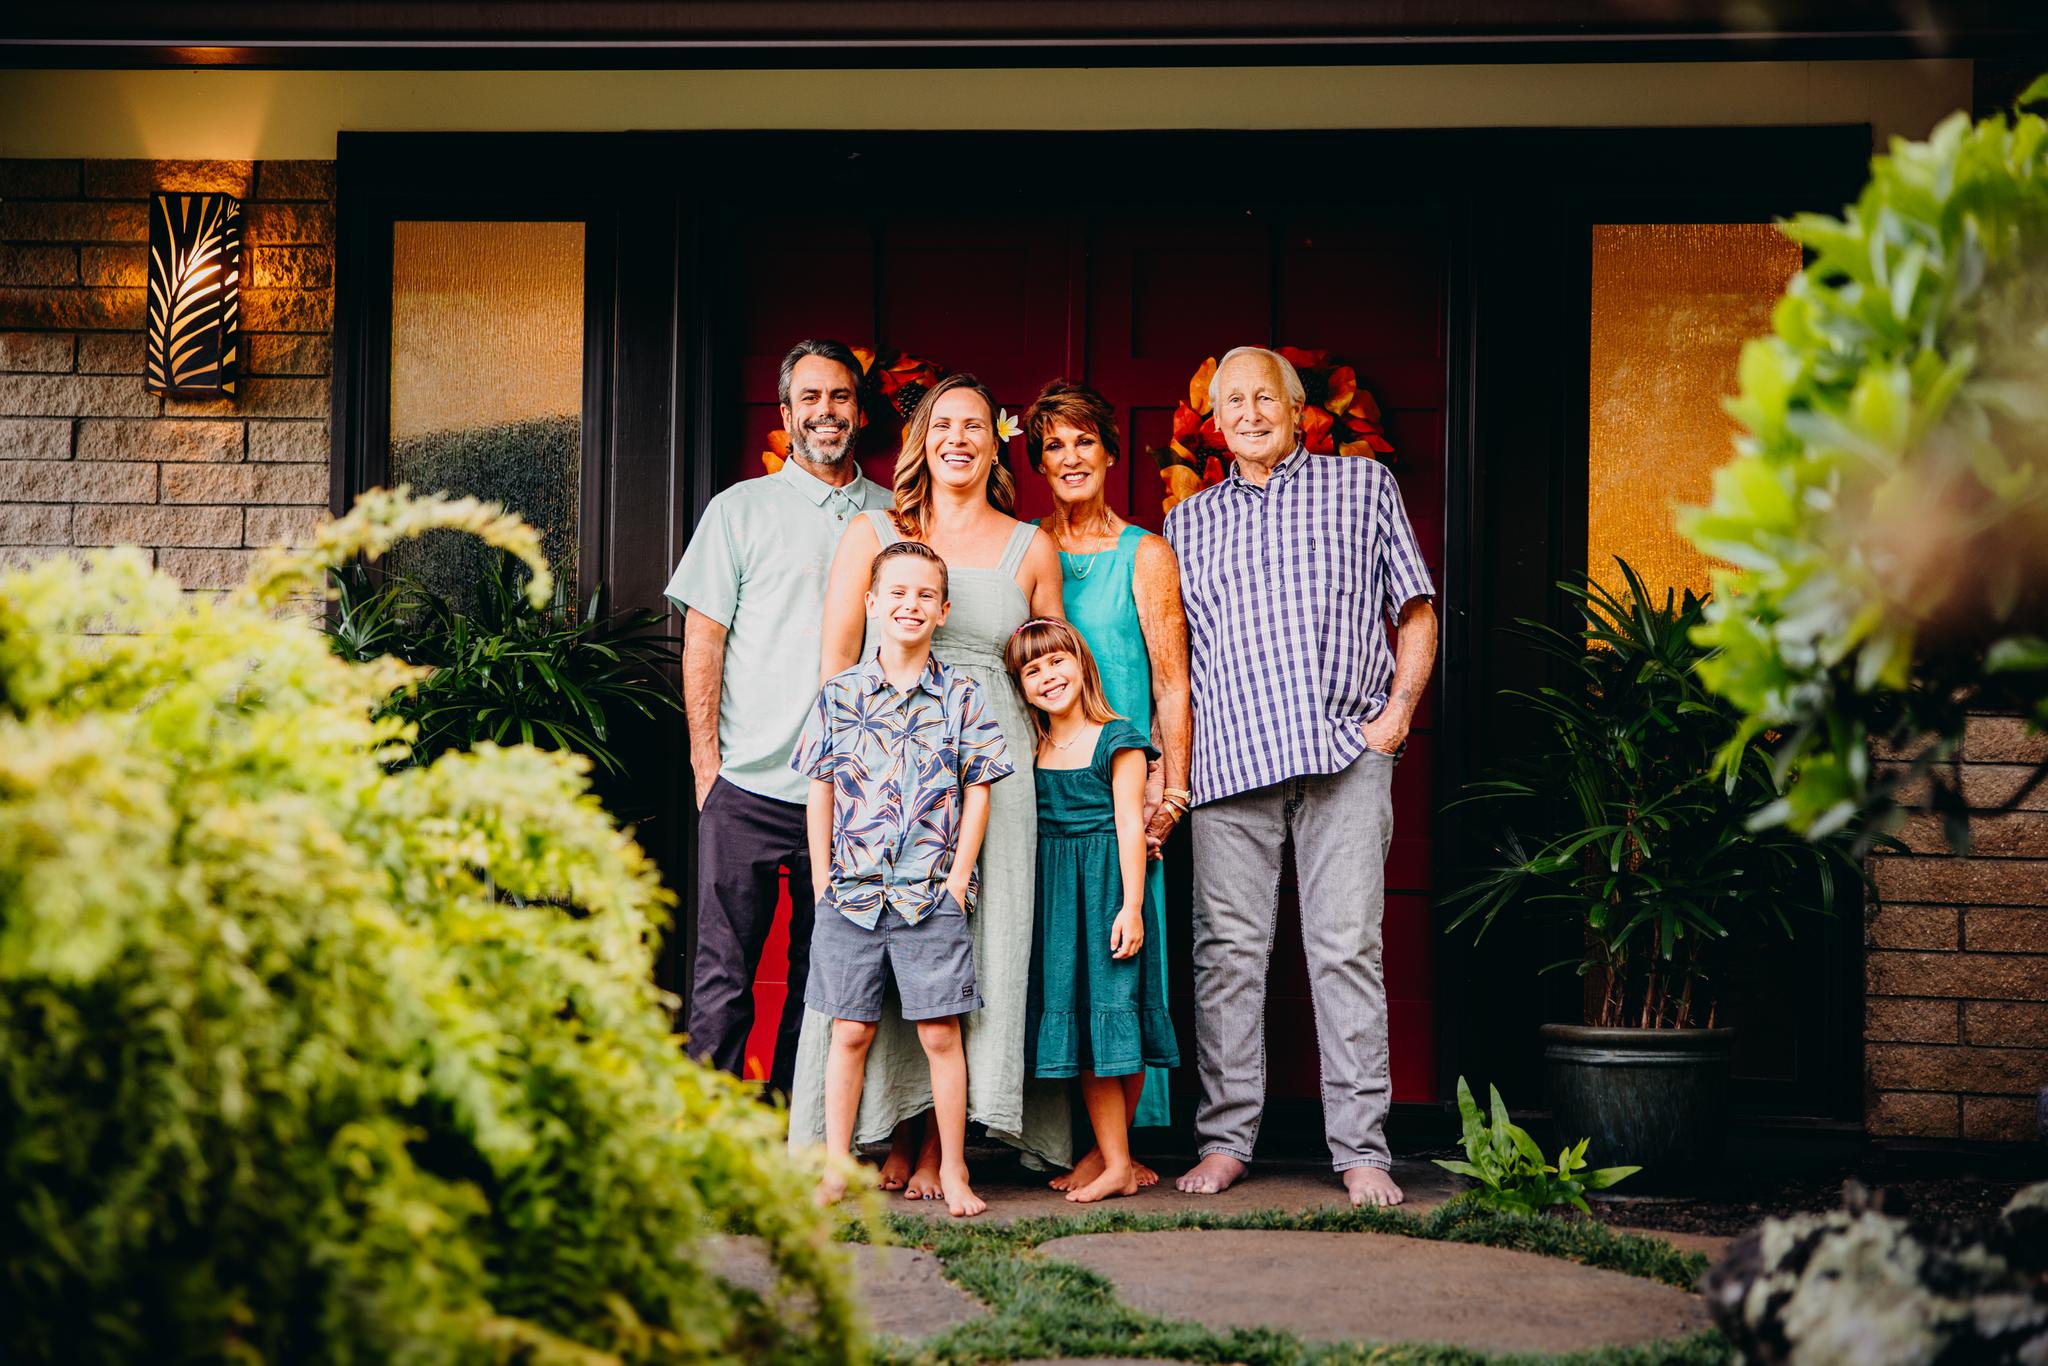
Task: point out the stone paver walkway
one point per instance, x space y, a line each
1367 1287
901 1288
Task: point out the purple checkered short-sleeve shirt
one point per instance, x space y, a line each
1289 588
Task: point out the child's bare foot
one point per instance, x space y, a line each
1371 1186
924 1182
1090 1167
1113 1182
895 1167
831 1189
1213 1175
1085 1171
961 1201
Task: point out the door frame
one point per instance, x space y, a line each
1516 379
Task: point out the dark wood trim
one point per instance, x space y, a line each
754 33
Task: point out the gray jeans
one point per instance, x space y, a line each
1342 824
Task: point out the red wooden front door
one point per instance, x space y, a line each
1132 304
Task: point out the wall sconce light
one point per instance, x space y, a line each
193 339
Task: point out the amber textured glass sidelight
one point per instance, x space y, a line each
1672 304
487 381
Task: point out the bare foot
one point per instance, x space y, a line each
925 1184
1372 1186
961 1201
1113 1182
1146 1176
895 1167
831 1189
1086 1170
1213 1175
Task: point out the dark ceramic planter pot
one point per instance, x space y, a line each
1653 1098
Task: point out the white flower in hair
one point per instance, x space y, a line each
1006 426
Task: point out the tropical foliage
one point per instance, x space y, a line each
306 1056
1339 418
1886 518
1617 825
1509 1168
503 670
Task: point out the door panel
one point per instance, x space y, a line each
1132 301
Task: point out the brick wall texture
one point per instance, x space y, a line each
87 456
1956 959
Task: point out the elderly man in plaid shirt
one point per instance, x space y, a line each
1291 569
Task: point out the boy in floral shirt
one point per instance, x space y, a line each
900 751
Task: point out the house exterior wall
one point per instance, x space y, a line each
1956 965
1957 968
87 456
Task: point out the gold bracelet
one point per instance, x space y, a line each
1181 794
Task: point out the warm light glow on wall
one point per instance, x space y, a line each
192 333
1672 304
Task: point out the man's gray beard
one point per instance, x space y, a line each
800 447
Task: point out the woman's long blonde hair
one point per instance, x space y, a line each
914 476
1049 635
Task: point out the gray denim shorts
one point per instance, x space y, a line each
931 962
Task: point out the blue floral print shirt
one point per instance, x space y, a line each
897 762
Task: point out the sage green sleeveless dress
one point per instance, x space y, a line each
1103 607
1027 1113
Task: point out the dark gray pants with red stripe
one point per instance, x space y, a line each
743 841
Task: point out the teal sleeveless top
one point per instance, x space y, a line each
1104 609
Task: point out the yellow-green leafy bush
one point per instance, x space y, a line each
305 1060
1886 517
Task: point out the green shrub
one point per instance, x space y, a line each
1616 824
1887 513
306 1060
1509 1167
502 669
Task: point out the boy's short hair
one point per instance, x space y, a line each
916 550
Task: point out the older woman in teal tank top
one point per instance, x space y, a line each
1122 590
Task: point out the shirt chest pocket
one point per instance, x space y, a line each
1340 562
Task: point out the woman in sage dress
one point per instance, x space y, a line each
955 493
1122 593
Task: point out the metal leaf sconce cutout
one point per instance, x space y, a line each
195 296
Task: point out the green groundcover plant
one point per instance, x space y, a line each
1509 1168
304 1058
1886 516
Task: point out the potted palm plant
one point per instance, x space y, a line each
1621 824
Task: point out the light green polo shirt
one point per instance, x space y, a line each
757 565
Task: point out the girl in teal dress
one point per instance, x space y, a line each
1122 593
1097 1003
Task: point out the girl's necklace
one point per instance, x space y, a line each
1062 745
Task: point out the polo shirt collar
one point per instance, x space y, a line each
1282 470
932 680
814 488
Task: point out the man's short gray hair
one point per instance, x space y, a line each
836 351
1289 376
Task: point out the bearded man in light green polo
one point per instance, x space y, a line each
751 587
